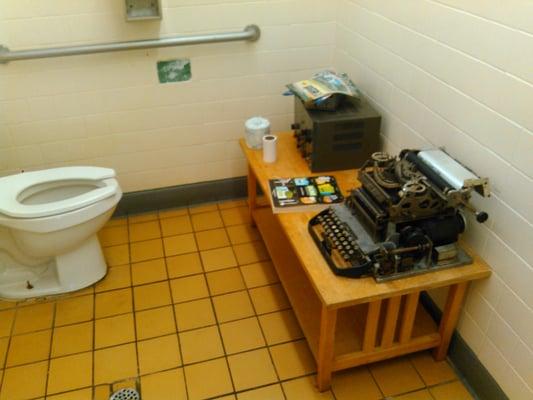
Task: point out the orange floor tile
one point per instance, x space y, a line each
191 308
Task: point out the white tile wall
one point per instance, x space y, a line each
450 73
459 74
109 109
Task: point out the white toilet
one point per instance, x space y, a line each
48 225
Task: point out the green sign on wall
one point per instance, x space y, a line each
174 70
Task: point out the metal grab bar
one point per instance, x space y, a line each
250 33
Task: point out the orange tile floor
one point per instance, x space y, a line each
191 308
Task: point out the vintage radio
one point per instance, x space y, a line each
340 139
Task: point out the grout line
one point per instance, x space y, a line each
192 231
155 308
260 326
172 369
49 361
267 345
280 381
216 318
93 371
172 305
64 392
173 310
8 347
409 358
487 19
158 306
459 376
137 380
431 110
166 305
449 47
374 380
11 330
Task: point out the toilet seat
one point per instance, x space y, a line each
12 186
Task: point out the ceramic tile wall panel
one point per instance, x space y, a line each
445 72
110 110
458 74
513 13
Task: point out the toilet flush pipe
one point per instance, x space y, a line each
250 33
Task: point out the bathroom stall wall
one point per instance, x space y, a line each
445 73
459 74
110 109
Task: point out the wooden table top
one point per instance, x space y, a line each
336 291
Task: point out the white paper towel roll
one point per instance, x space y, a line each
269 148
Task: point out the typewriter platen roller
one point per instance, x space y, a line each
405 219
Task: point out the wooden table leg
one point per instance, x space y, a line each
252 192
449 318
328 322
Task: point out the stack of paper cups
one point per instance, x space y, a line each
255 129
269 148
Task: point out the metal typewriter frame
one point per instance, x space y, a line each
370 247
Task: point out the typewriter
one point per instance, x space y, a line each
404 220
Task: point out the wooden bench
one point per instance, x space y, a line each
348 322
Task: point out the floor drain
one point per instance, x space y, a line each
125 394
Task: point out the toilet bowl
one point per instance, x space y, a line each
48 225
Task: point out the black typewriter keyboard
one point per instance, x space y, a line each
338 244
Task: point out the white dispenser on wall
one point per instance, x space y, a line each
139 10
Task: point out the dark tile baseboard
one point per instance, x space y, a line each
182 195
465 361
460 354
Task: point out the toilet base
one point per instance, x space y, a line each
68 272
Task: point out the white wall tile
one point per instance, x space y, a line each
5 136
481 38
482 123
479 309
498 331
111 108
517 314
476 79
471 332
27 157
511 13
29 32
462 88
522 360
503 372
14 111
42 108
511 268
467 89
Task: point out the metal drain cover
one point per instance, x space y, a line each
125 394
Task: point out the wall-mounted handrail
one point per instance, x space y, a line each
250 33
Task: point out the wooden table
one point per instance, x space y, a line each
348 322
